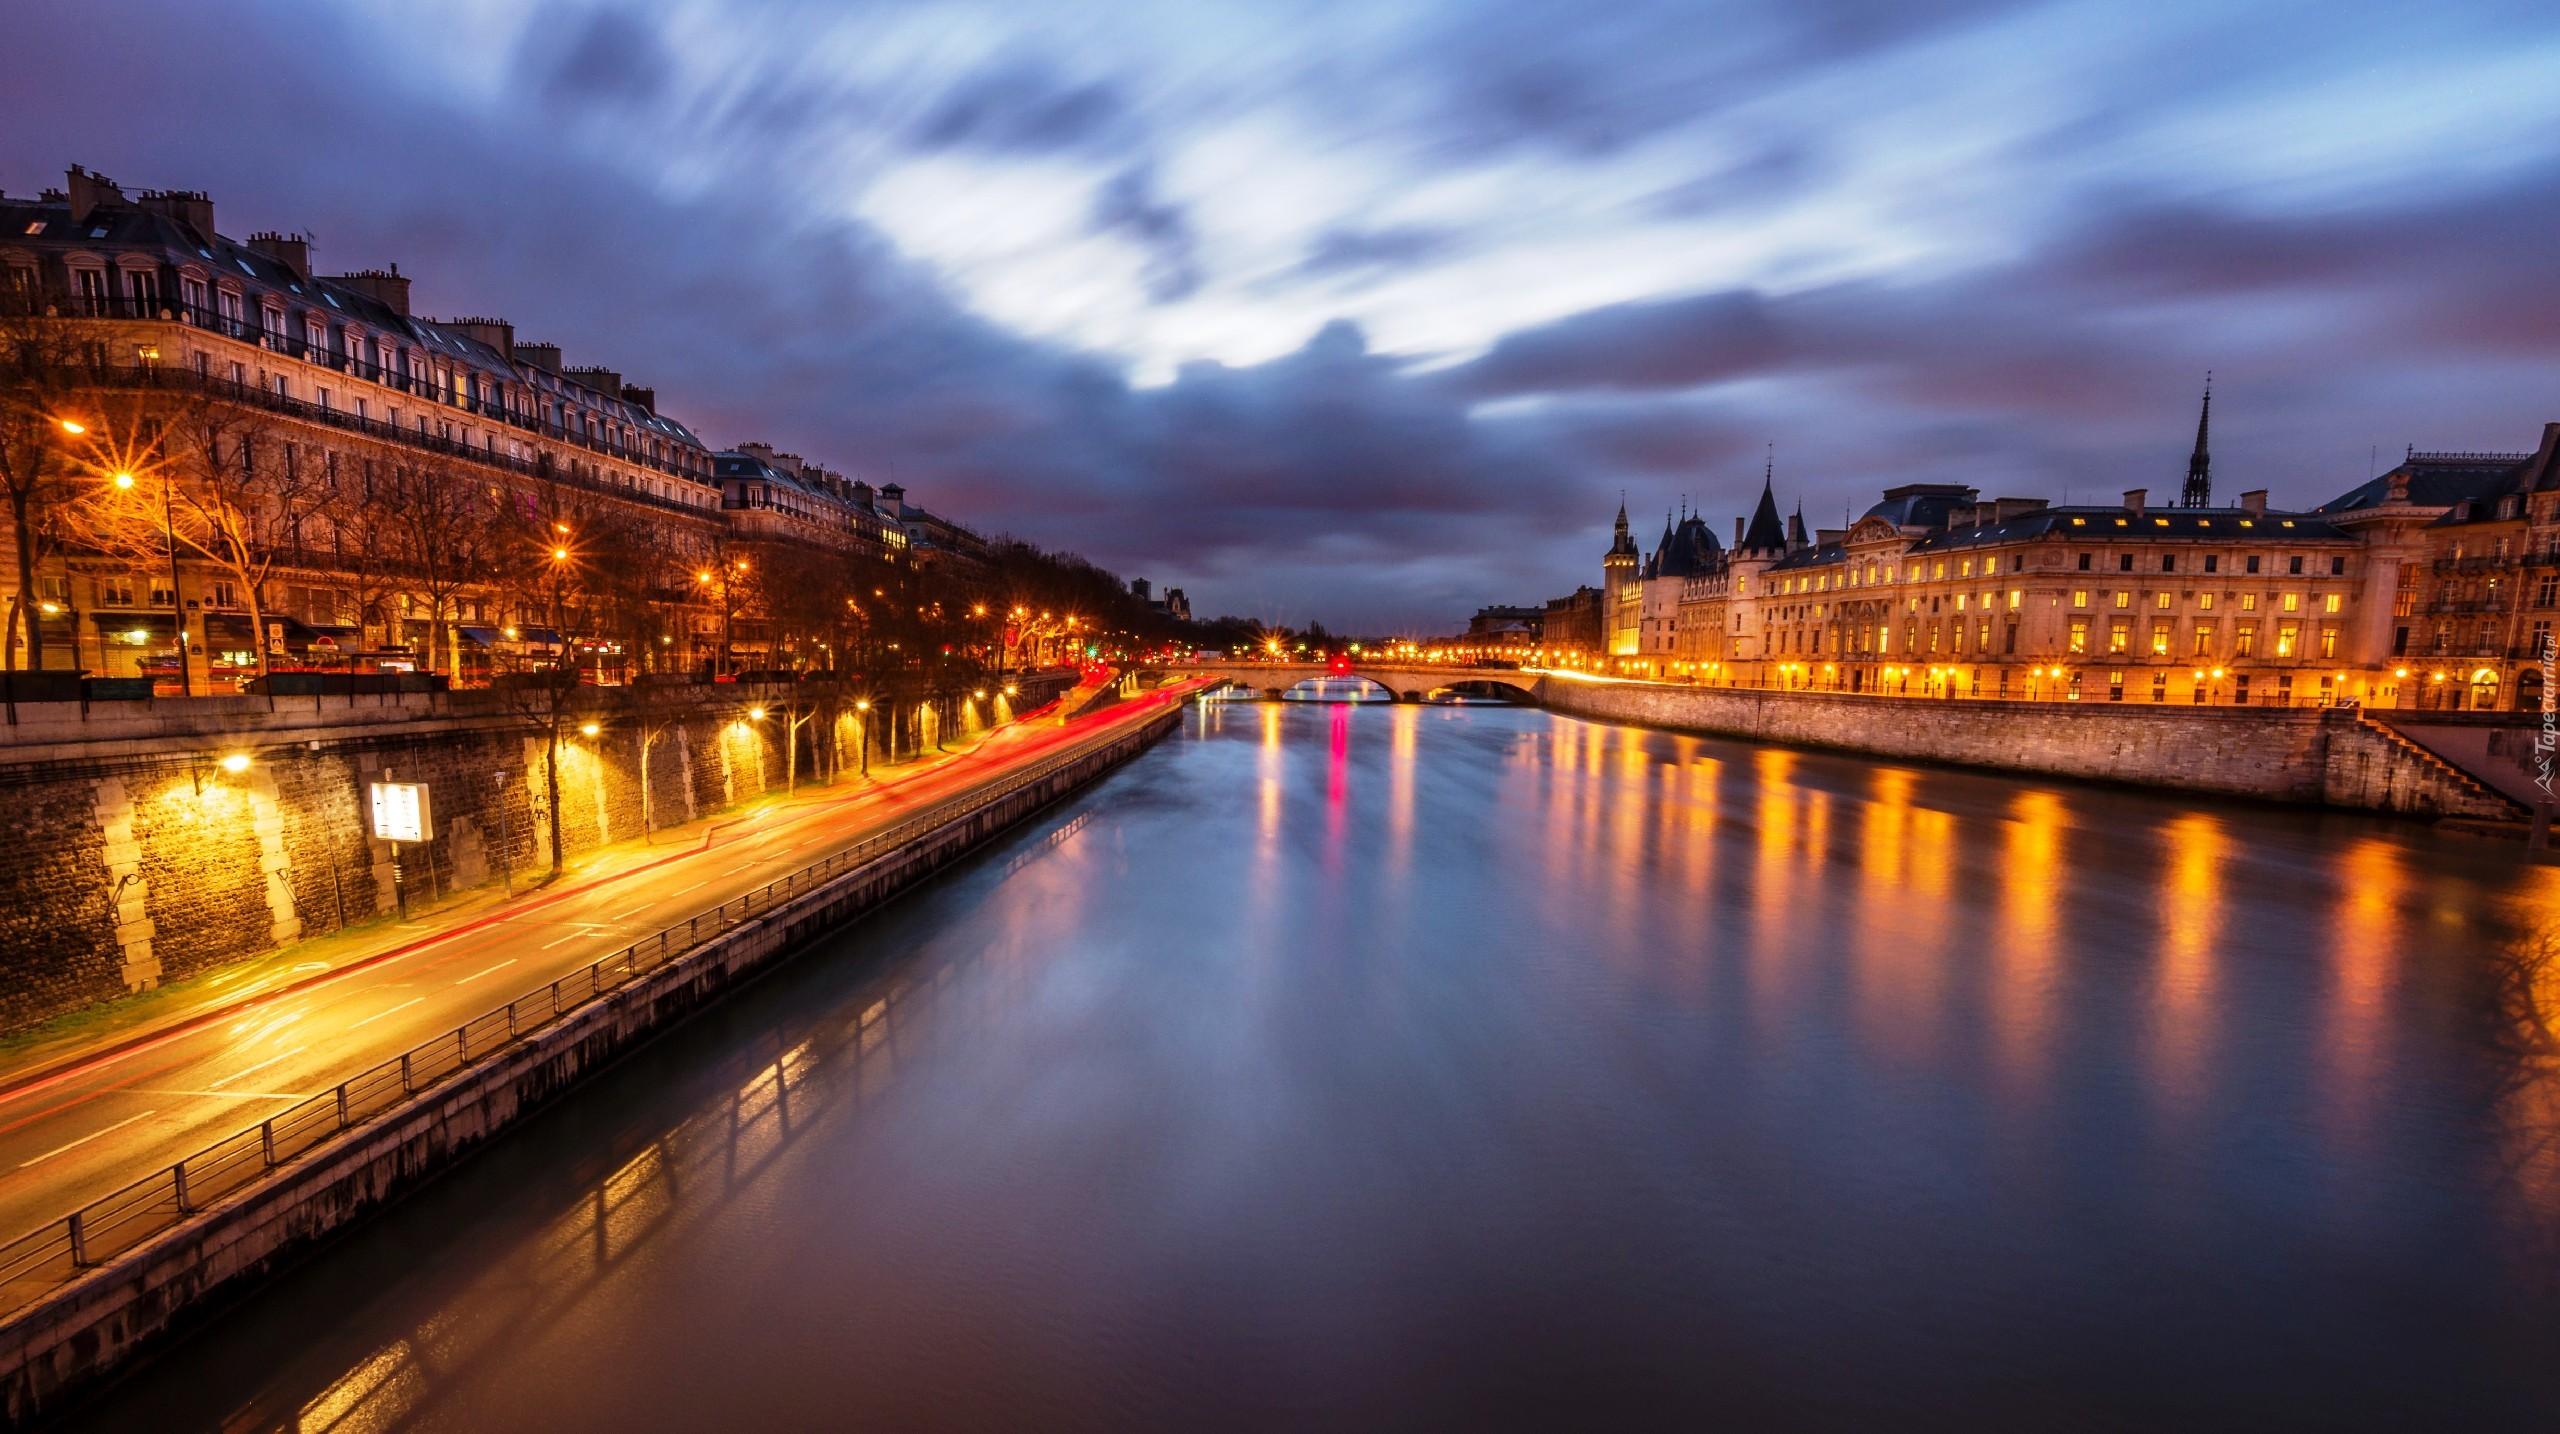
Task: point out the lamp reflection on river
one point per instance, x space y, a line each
2031 889
2190 927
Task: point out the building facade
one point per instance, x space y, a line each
349 426
2433 585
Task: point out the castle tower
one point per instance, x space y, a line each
1621 609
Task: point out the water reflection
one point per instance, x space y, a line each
1466 1067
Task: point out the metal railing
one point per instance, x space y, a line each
50 1256
415 383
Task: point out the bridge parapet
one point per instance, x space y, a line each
1406 682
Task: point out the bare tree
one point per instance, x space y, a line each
234 494
446 526
40 421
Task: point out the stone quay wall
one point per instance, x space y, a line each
136 857
2326 756
57 1350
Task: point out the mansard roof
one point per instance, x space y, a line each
1819 555
1922 505
2438 480
42 228
2101 524
1687 550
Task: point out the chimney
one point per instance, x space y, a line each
2003 509
603 380
496 333
2254 502
1737 532
645 397
2133 499
545 357
191 207
89 191
1825 536
388 289
291 250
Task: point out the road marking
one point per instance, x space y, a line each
378 1015
476 975
262 1065
697 886
628 914
741 866
225 1094
83 1140
572 936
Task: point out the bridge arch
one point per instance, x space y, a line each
1485 687
1311 689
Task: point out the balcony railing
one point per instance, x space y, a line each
2492 563
148 377
254 331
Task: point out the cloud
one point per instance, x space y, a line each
1128 206
2043 326
1018 106
1391 247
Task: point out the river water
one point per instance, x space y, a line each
1377 1067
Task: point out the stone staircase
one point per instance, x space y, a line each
2458 793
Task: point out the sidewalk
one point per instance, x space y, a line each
29 1057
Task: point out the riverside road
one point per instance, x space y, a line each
93 1125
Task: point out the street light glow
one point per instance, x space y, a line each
236 762
74 429
590 729
756 713
124 480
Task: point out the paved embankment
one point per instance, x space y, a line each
141 1264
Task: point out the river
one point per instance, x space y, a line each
1391 1067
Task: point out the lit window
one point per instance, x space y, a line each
2124 599
2331 602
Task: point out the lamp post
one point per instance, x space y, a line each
862 707
124 481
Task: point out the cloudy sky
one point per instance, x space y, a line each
1368 312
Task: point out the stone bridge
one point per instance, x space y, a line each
1402 682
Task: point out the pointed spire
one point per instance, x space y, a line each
2198 492
1766 532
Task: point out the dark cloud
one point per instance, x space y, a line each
610 56
1018 106
1394 247
1128 206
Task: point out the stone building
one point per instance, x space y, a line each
2473 543
2433 585
138 298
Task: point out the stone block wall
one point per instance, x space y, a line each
2330 756
131 865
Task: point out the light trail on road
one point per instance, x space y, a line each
82 1122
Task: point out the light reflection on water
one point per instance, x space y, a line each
1425 1067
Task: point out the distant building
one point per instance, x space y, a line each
2436 584
1571 625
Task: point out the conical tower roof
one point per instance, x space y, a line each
1767 531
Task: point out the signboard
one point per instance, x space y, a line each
400 811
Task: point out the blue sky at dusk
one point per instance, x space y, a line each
1367 312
